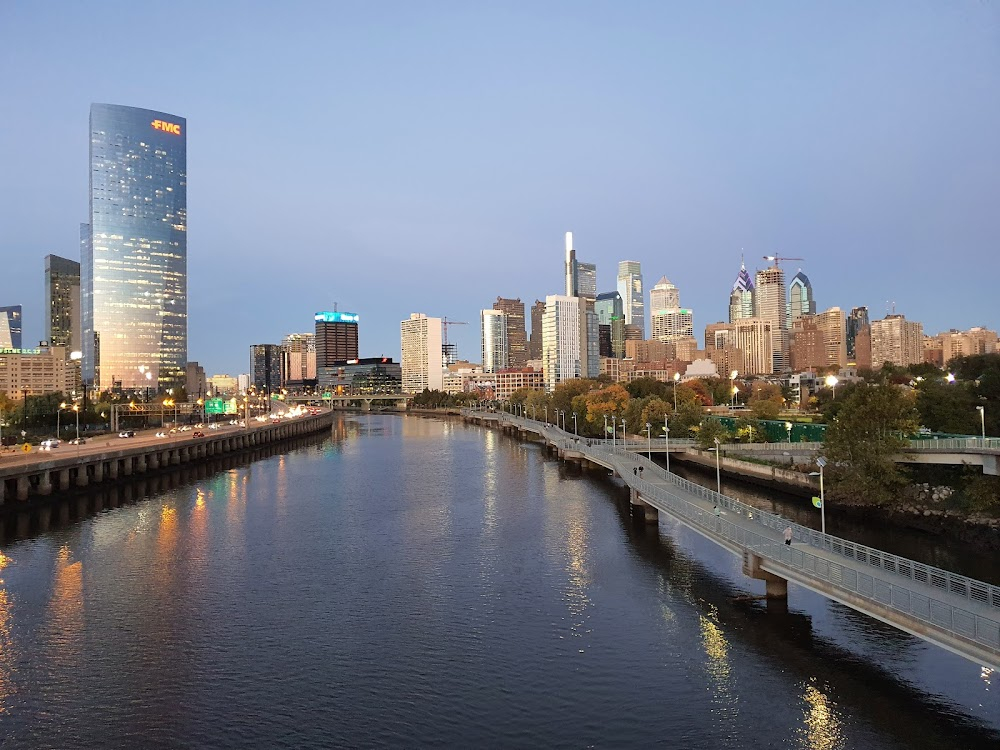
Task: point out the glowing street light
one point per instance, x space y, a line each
649 442
718 473
950 377
666 439
677 377
821 462
788 429
831 383
982 419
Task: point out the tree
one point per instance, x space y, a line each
644 387
611 401
766 400
709 430
689 415
871 427
948 407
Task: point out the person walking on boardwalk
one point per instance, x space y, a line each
788 535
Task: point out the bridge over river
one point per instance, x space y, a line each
955 612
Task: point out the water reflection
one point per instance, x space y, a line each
65 621
7 654
823 729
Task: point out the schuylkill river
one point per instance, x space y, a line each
410 582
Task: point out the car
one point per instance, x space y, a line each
199 434
213 427
50 444
126 434
161 434
185 428
78 441
199 426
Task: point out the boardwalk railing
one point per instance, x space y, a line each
906 586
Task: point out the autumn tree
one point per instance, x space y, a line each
871 427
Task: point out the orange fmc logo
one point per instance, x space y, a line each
166 127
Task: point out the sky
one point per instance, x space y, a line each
398 157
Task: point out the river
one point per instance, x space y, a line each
411 581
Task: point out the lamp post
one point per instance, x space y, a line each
649 442
546 413
732 387
718 473
821 462
982 420
614 431
788 429
624 435
24 409
604 435
76 408
831 383
677 377
59 414
575 431
666 439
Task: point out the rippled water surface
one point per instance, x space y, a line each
411 582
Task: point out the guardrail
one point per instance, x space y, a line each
956 444
849 578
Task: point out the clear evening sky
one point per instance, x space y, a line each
397 157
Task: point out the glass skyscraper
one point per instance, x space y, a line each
134 250
630 288
10 327
62 302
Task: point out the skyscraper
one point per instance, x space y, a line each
422 353
265 367
62 302
10 327
336 337
298 359
535 343
668 321
570 266
769 299
610 313
586 280
857 321
517 339
896 340
800 298
134 264
741 298
630 288
564 339
494 332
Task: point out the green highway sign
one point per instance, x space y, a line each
215 406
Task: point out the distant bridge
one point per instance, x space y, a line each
983 452
953 611
382 401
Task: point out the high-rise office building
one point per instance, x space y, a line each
610 312
564 339
832 324
570 266
298 360
669 322
630 288
800 298
422 353
535 342
741 298
857 321
336 337
896 340
769 301
62 302
494 333
753 337
265 367
586 280
10 327
517 339
133 272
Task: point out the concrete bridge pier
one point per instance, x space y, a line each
23 487
775 587
45 483
64 479
639 506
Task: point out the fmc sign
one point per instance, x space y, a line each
166 127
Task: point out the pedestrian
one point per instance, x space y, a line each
635 471
640 470
715 510
788 536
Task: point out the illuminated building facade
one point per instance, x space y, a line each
10 327
133 270
62 302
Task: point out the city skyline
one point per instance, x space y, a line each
714 146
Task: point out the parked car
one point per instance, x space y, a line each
50 444
78 441
126 434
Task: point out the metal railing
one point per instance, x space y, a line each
851 576
956 444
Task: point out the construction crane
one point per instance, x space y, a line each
450 351
777 258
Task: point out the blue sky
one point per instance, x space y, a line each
428 156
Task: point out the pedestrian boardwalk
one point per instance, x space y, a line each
955 612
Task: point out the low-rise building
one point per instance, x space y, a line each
36 372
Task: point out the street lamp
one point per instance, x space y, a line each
624 435
604 435
821 462
76 408
736 390
788 429
59 414
732 386
950 377
575 431
677 377
831 383
718 473
982 419
666 439
649 442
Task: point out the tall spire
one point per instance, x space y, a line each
571 290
